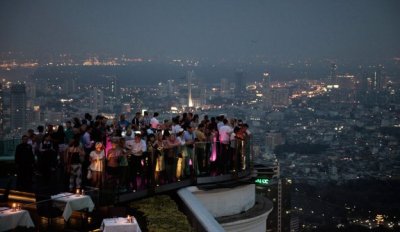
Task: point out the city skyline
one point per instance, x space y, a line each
208 29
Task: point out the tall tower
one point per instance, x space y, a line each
378 78
266 90
18 107
332 74
113 89
190 76
97 99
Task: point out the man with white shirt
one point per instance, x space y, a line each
224 137
154 123
137 148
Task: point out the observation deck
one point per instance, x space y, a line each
205 173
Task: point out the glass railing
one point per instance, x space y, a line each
181 166
7 148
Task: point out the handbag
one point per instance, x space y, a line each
89 174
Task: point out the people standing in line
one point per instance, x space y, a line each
75 156
97 164
24 160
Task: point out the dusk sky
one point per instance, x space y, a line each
349 29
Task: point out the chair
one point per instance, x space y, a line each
45 208
4 195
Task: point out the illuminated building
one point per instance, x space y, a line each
378 78
332 74
36 114
190 76
196 94
113 91
97 99
18 107
266 90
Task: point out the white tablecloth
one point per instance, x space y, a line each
119 225
73 202
10 220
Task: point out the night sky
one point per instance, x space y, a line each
349 29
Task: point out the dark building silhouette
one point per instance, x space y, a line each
240 84
18 107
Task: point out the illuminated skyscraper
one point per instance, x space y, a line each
196 92
112 88
18 107
332 74
97 99
266 90
378 78
190 76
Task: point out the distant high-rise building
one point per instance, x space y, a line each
378 78
280 97
266 90
224 88
240 83
69 85
37 114
18 107
113 88
332 74
97 99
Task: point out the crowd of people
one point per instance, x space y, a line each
132 154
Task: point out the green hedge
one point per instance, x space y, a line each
162 214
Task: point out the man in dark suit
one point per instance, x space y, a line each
24 160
